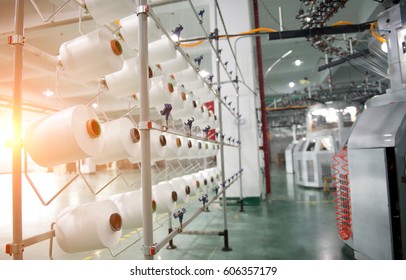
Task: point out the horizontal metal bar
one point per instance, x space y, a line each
176 132
158 246
287 108
176 231
52 15
197 232
329 30
38 238
342 60
186 56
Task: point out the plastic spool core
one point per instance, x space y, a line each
197 184
153 204
150 72
183 95
194 104
212 179
93 128
189 144
116 47
170 87
135 135
205 182
202 109
178 142
174 196
162 140
116 222
187 190
200 145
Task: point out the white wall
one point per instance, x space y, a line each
237 19
236 14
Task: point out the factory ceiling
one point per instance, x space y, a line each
40 69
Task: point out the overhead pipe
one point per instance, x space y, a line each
330 64
264 127
319 31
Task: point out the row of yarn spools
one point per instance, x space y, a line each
76 133
99 224
99 54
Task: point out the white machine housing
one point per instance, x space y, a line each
328 127
289 157
377 155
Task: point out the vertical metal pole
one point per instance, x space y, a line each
17 41
171 245
340 122
280 19
226 246
330 74
239 148
264 128
294 133
145 133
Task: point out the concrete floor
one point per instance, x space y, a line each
293 223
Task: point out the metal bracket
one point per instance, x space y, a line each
16 40
12 248
145 125
142 9
148 251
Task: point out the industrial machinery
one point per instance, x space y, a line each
377 156
328 126
289 157
289 152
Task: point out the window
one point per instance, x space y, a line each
326 144
311 146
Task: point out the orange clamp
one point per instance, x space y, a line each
152 251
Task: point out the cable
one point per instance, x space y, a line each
376 35
343 194
342 23
252 31
191 45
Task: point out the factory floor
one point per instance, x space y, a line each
293 223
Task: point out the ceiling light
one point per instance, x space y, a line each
95 105
298 62
291 84
384 47
204 73
175 38
48 92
